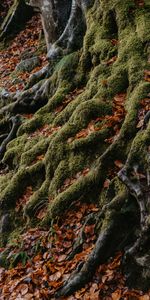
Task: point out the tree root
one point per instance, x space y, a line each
136 190
45 72
107 243
97 256
71 38
29 101
130 175
16 122
77 247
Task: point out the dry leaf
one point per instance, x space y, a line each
24 289
140 124
62 258
55 276
144 297
116 295
119 164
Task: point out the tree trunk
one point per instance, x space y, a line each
103 51
18 14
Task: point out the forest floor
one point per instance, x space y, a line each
39 259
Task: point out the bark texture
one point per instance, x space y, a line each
102 52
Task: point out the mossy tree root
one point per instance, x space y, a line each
135 175
16 122
28 101
108 242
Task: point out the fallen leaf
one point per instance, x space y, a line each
119 164
55 276
144 297
116 295
24 289
140 124
62 258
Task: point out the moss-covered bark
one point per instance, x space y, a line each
111 63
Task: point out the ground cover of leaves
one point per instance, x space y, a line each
40 264
26 42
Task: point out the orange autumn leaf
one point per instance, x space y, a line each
55 284
89 229
114 42
62 258
119 164
104 82
116 295
111 60
144 297
24 289
55 276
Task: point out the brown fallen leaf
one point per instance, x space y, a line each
24 289
116 295
118 163
89 229
114 42
140 123
111 60
28 296
62 257
144 297
40 157
104 82
55 276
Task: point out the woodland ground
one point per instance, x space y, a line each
38 259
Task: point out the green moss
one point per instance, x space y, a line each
132 105
37 149
65 199
14 151
13 191
139 150
143 24
37 201
116 187
23 178
5 180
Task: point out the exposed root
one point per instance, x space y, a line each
71 38
16 122
131 176
45 72
77 247
135 189
107 243
83 275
